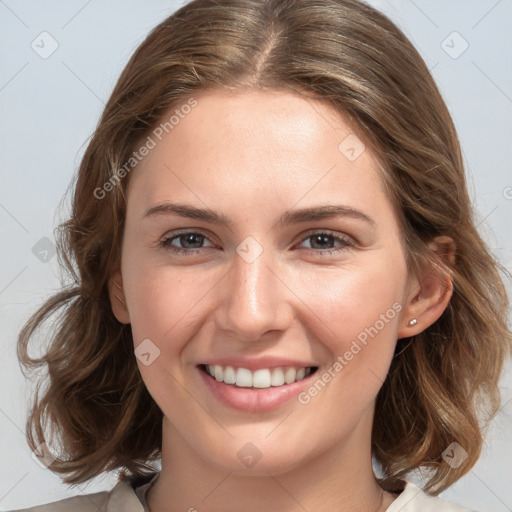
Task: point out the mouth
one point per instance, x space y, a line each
263 378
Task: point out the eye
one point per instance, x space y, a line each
185 243
326 243
189 243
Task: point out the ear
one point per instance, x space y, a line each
429 295
117 297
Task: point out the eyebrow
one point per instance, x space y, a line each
295 216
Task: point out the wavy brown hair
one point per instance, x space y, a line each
442 386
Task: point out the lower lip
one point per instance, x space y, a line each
253 399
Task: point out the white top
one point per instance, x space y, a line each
413 499
127 498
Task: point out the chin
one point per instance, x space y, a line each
256 457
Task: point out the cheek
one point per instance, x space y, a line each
162 300
355 315
165 307
349 302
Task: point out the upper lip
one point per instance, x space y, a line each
258 363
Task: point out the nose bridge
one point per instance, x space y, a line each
253 301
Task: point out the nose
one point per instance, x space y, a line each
254 300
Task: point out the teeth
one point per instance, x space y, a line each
263 378
243 377
277 378
229 375
289 375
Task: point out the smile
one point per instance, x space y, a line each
257 390
262 378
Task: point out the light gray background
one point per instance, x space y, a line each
50 106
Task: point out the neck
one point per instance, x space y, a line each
341 479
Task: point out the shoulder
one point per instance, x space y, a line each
413 499
121 497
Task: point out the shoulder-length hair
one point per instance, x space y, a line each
442 386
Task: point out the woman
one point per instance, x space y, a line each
277 275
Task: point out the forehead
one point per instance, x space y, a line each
254 145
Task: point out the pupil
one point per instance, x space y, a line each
322 240
192 239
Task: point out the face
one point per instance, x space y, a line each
260 245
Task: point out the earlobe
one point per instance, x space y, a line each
431 295
117 298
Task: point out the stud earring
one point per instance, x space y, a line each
412 322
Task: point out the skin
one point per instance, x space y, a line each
252 156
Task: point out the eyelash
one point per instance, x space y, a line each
345 242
